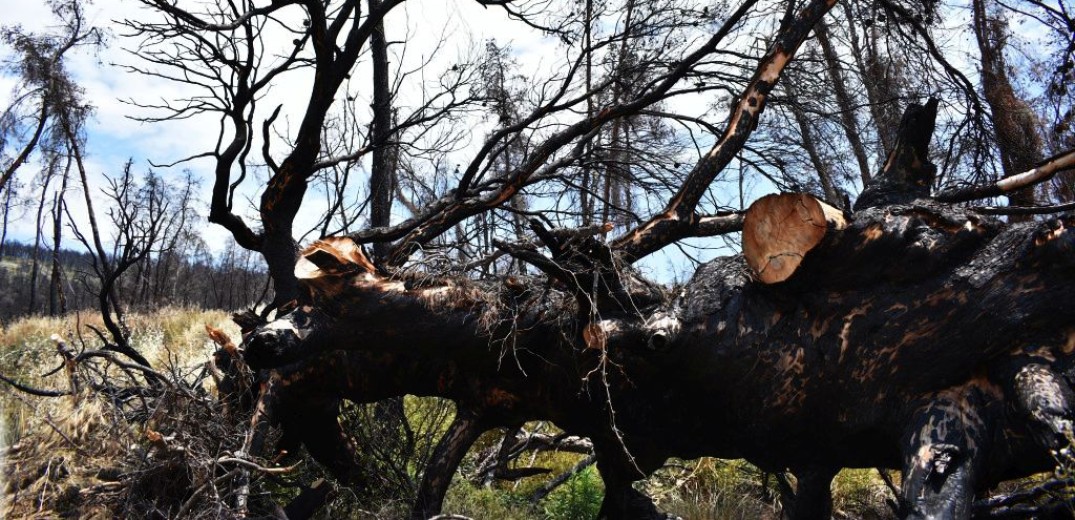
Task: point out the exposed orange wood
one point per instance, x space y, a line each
779 230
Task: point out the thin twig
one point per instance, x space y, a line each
257 467
189 504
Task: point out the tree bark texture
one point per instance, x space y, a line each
382 171
911 335
853 361
1014 123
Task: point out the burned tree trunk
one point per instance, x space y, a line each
816 374
910 334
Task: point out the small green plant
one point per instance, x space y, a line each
578 499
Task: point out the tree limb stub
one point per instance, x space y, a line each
907 173
779 230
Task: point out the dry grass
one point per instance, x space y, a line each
714 489
168 336
76 456
65 462
861 493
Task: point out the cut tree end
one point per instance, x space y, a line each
780 229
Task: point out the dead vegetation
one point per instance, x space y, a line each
106 437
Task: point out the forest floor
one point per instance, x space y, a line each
57 449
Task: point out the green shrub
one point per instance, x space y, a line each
577 499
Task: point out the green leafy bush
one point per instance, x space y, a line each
577 499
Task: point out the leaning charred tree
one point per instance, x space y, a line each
910 334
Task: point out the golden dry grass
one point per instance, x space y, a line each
57 450
171 334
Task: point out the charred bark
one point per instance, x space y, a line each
811 498
466 427
907 173
911 335
382 171
816 371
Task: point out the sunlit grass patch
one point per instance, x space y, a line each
861 493
66 455
714 489
472 501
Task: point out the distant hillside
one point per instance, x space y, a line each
232 279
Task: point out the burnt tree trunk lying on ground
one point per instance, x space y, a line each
876 360
910 334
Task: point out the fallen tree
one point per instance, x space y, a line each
909 334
